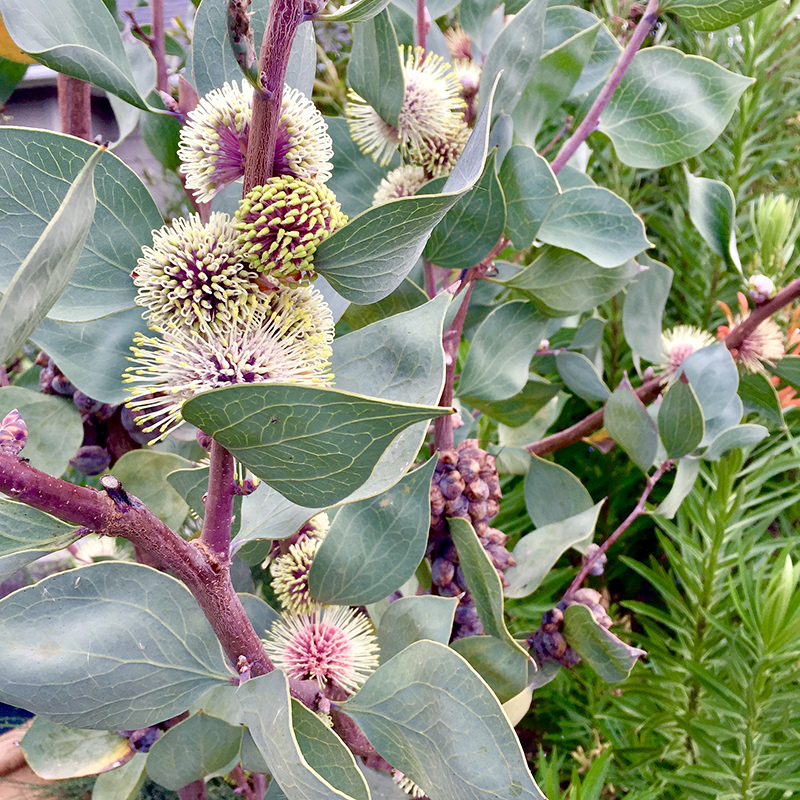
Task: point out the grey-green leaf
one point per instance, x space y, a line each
595 223
607 655
714 377
670 106
193 749
55 752
55 430
389 532
458 744
738 436
759 395
628 423
483 581
61 38
561 283
315 446
374 70
268 715
112 645
499 663
685 477
501 350
553 493
712 209
48 267
123 783
369 257
537 552
514 53
267 514
680 420
472 227
581 376
517 410
711 15
37 168
355 12
530 189
410 619
644 309
326 753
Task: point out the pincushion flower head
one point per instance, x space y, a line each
290 576
333 645
763 347
213 143
193 271
401 182
283 336
281 224
679 343
432 102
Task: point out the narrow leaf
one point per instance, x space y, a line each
739 436
628 423
47 269
685 477
359 11
644 308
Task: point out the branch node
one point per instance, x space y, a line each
113 488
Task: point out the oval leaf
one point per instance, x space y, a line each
669 106
500 354
315 446
530 189
499 663
740 436
595 223
680 420
61 39
193 749
123 783
536 553
409 619
48 267
713 374
389 532
268 715
553 493
711 15
712 209
581 376
111 645
628 423
607 655
458 744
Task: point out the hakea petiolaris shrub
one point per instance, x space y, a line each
292 453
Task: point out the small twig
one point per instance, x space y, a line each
158 45
216 533
557 138
589 123
136 29
430 278
638 509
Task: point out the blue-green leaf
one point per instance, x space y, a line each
738 436
713 374
553 493
581 376
410 619
711 15
680 420
628 423
712 209
354 12
644 309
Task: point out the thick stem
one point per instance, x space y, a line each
159 48
735 338
75 107
422 27
116 513
589 123
193 791
216 535
638 509
647 392
284 18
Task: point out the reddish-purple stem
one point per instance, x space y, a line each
652 480
589 123
193 791
422 26
75 107
159 46
787 295
216 533
284 18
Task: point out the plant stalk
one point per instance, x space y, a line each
75 107
422 27
589 122
196 790
216 533
284 19
158 45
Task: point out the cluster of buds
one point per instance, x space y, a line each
548 643
109 430
465 484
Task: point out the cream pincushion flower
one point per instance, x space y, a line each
679 343
290 576
213 143
331 645
283 336
401 182
432 104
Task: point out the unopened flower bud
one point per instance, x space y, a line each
760 288
442 571
598 562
